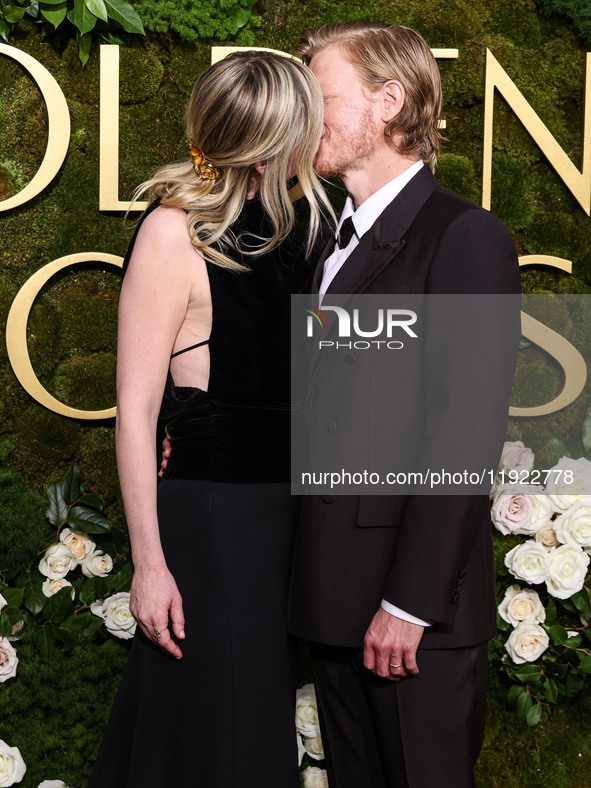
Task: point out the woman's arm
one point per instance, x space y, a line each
153 305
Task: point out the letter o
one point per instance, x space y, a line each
16 334
58 120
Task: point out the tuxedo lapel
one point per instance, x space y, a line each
380 245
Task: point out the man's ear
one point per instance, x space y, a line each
393 96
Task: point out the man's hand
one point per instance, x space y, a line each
390 646
154 595
165 454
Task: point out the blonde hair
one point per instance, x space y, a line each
250 107
382 52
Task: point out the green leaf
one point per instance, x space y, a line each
574 683
529 673
550 614
57 511
50 2
44 642
558 448
71 484
241 16
5 29
13 596
127 17
5 625
33 10
81 17
585 662
88 520
84 45
63 636
111 38
582 601
98 8
534 715
13 13
93 501
88 593
524 704
574 641
558 634
550 691
122 580
59 606
514 693
55 14
34 597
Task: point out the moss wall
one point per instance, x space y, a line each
72 330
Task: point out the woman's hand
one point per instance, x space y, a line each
154 595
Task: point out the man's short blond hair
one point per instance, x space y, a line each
384 52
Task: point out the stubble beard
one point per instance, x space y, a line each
349 151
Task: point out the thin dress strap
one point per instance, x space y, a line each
192 347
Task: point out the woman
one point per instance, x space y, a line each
204 321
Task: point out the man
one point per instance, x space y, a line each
396 593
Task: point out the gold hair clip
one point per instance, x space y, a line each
203 167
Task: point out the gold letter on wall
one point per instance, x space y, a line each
58 135
109 134
577 182
16 334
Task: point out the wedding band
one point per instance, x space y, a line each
395 666
156 633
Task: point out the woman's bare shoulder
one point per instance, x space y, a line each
163 244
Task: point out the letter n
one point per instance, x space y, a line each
577 182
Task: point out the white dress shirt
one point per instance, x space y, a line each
363 220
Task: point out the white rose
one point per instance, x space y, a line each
12 766
51 587
79 543
526 643
2 602
8 661
546 535
516 457
52 784
562 491
568 567
529 562
307 712
98 564
512 510
574 526
116 614
315 777
314 747
521 606
57 561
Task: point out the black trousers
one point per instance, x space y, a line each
422 732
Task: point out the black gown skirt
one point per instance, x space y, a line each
223 715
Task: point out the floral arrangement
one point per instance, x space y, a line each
77 584
309 740
544 639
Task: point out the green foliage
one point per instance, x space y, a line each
106 17
578 11
221 19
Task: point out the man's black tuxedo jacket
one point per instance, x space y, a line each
431 556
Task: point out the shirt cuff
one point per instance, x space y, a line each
396 611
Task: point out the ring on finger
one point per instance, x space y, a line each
156 632
395 666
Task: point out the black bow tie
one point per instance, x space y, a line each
346 232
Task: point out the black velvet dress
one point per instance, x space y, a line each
223 716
